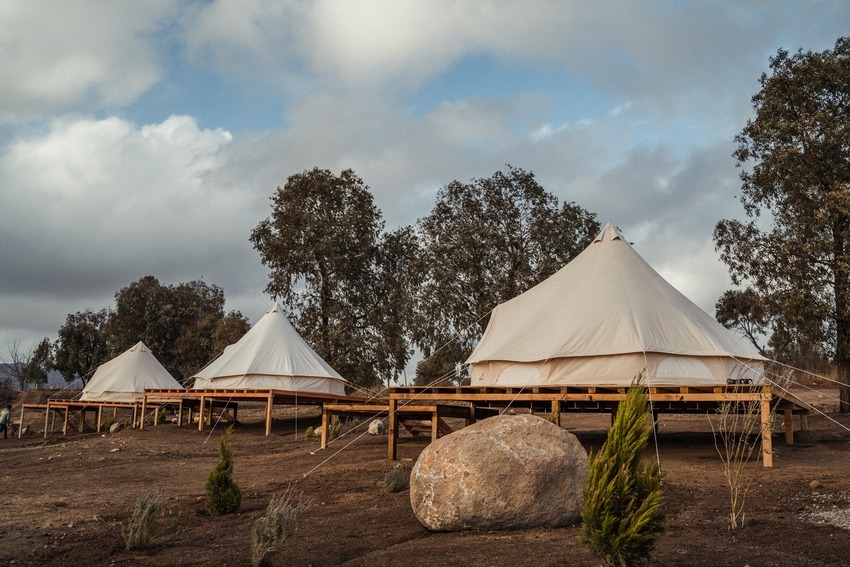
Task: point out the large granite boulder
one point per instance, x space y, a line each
505 472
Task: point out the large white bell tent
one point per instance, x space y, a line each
271 355
125 377
602 319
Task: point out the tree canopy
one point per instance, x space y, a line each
182 324
485 242
337 274
794 251
81 346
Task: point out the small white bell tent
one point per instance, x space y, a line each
125 377
602 319
271 355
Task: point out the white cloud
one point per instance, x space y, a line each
77 54
106 197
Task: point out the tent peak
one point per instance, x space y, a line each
275 308
139 347
609 234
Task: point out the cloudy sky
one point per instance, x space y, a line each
146 137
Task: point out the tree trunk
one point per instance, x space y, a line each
842 317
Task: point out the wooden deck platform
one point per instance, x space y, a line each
205 401
67 408
431 404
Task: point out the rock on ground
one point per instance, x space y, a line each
505 472
377 427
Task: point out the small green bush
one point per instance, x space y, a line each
272 530
622 514
308 435
396 479
223 494
143 524
160 418
334 427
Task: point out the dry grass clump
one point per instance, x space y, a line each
396 479
271 531
144 522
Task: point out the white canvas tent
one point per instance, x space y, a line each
602 319
125 377
272 355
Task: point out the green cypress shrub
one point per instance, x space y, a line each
622 515
223 494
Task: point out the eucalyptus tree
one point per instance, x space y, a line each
484 242
178 323
81 346
795 159
341 278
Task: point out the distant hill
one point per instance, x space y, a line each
54 380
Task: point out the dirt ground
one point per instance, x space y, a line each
64 500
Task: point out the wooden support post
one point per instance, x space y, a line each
82 426
392 424
269 404
135 413
65 423
556 412
201 414
156 415
99 416
46 418
21 426
789 427
435 425
325 421
144 411
472 416
766 439
236 412
180 413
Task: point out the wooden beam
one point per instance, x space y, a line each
392 425
144 411
201 414
99 416
325 420
46 418
21 426
766 437
789 427
556 412
435 426
269 403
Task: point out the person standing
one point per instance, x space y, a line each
5 416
